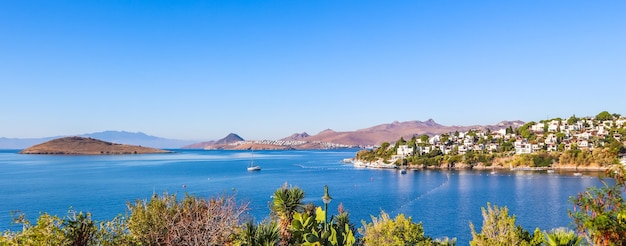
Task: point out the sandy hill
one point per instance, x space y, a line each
86 146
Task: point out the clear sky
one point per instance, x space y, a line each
199 70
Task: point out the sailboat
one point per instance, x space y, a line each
577 173
251 166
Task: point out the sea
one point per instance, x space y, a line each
444 201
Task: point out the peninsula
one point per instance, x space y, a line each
588 143
87 146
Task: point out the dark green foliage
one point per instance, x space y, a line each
79 229
543 160
604 115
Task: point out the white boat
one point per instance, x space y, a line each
251 166
578 174
254 168
550 171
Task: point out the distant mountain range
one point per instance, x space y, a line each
363 137
374 135
391 132
131 138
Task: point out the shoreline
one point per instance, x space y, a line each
379 164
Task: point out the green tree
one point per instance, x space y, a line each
604 115
600 213
399 231
499 229
572 120
287 201
46 231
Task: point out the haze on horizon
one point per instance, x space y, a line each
199 70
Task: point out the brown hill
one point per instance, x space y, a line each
296 137
378 134
374 135
86 146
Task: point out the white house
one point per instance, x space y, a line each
522 147
553 126
550 139
493 147
404 150
434 139
537 127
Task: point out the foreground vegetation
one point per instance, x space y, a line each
599 216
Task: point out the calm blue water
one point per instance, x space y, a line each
445 201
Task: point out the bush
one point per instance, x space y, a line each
192 221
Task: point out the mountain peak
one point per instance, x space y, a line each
231 138
431 122
326 131
296 137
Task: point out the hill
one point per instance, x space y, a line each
370 136
230 138
378 134
296 137
86 146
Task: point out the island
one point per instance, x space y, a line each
87 146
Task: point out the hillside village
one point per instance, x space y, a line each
554 135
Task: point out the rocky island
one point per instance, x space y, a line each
87 146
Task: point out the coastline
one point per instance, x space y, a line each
379 164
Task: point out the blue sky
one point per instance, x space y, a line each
266 69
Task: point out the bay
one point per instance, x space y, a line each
445 201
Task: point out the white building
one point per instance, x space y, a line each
404 150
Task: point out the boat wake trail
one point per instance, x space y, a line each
407 204
322 168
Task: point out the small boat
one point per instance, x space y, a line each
550 171
578 174
402 171
254 168
251 166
